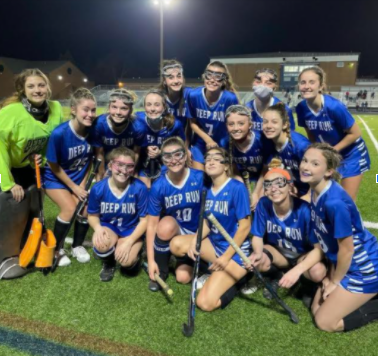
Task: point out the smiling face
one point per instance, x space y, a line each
154 106
119 111
214 78
122 167
174 157
174 79
310 85
238 126
276 188
313 168
264 79
36 90
84 112
272 124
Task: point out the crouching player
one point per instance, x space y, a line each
117 211
281 240
178 194
345 300
227 200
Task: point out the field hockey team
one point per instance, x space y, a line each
300 228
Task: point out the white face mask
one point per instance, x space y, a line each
262 92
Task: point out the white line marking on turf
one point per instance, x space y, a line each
369 133
371 225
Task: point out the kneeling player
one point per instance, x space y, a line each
177 193
284 221
228 201
117 211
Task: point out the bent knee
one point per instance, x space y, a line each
207 304
317 272
325 324
167 228
183 277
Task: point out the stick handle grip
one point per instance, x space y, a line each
167 290
229 239
247 184
37 173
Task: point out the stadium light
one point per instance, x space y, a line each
60 77
161 4
85 80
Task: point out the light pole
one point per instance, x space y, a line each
161 4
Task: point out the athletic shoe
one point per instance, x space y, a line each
202 280
81 254
249 288
274 284
154 286
107 271
63 259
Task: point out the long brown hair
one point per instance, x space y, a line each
281 110
168 119
228 84
319 72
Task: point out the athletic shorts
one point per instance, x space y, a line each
356 282
355 162
51 184
220 250
291 257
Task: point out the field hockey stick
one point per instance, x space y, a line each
164 286
247 184
294 318
79 207
188 328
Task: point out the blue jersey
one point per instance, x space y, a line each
229 205
71 152
102 134
291 155
180 202
290 233
210 118
180 114
119 212
254 156
257 119
334 215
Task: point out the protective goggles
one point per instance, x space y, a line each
217 157
177 155
279 182
218 76
125 97
172 66
266 71
128 167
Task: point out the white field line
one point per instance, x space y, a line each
371 225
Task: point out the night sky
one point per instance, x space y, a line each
112 38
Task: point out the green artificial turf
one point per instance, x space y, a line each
124 311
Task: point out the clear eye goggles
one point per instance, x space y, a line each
216 157
218 76
177 155
178 68
125 97
266 71
128 167
279 182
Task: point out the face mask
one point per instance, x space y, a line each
155 124
262 92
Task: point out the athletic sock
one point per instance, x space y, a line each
362 316
228 296
133 270
60 230
162 255
80 231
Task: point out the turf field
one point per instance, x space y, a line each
72 313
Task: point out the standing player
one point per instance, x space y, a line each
117 211
326 119
117 128
249 148
207 106
227 200
176 193
69 157
344 302
159 124
263 86
289 146
281 240
26 121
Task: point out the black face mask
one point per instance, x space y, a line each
155 124
40 113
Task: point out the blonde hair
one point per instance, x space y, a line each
19 84
120 151
78 95
229 84
168 118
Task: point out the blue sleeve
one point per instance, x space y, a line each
224 143
259 220
339 215
241 201
291 118
154 204
234 100
180 130
301 146
94 203
341 115
53 148
142 202
191 110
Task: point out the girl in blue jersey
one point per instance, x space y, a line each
69 157
207 106
228 201
289 146
173 209
264 84
344 302
117 128
280 230
158 124
326 119
248 148
117 211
